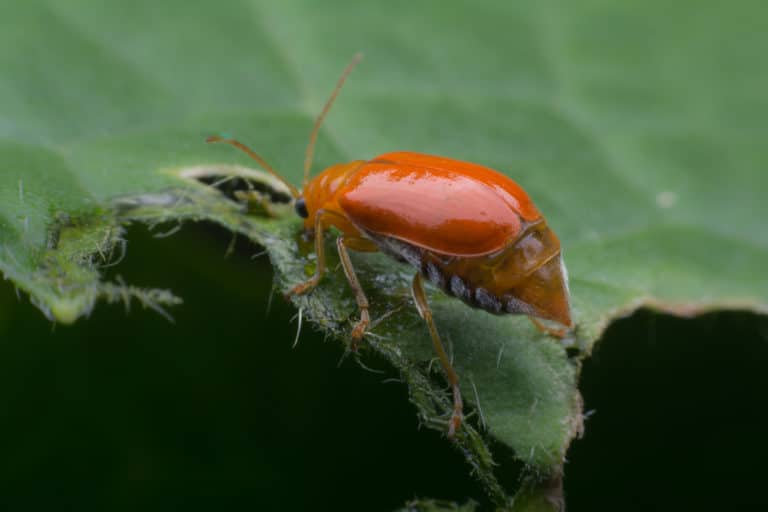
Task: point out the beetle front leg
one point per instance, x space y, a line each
310 284
354 283
453 379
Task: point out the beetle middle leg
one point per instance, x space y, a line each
453 379
342 244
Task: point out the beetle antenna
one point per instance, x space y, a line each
313 136
242 147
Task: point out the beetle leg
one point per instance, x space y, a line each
426 313
354 283
309 284
552 331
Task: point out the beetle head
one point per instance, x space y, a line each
301 208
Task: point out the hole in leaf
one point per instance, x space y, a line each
238 188
679 415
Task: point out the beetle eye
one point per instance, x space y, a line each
301 208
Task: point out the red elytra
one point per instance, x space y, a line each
468 229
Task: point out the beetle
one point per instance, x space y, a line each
468 229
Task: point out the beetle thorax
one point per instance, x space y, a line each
321 191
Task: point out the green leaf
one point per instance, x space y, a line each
639 131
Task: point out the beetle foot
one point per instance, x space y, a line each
302 288
359 330
454 423
457 417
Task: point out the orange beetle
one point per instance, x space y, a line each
468 229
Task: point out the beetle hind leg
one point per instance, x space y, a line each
555 332
453 379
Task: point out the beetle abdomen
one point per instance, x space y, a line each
525 277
